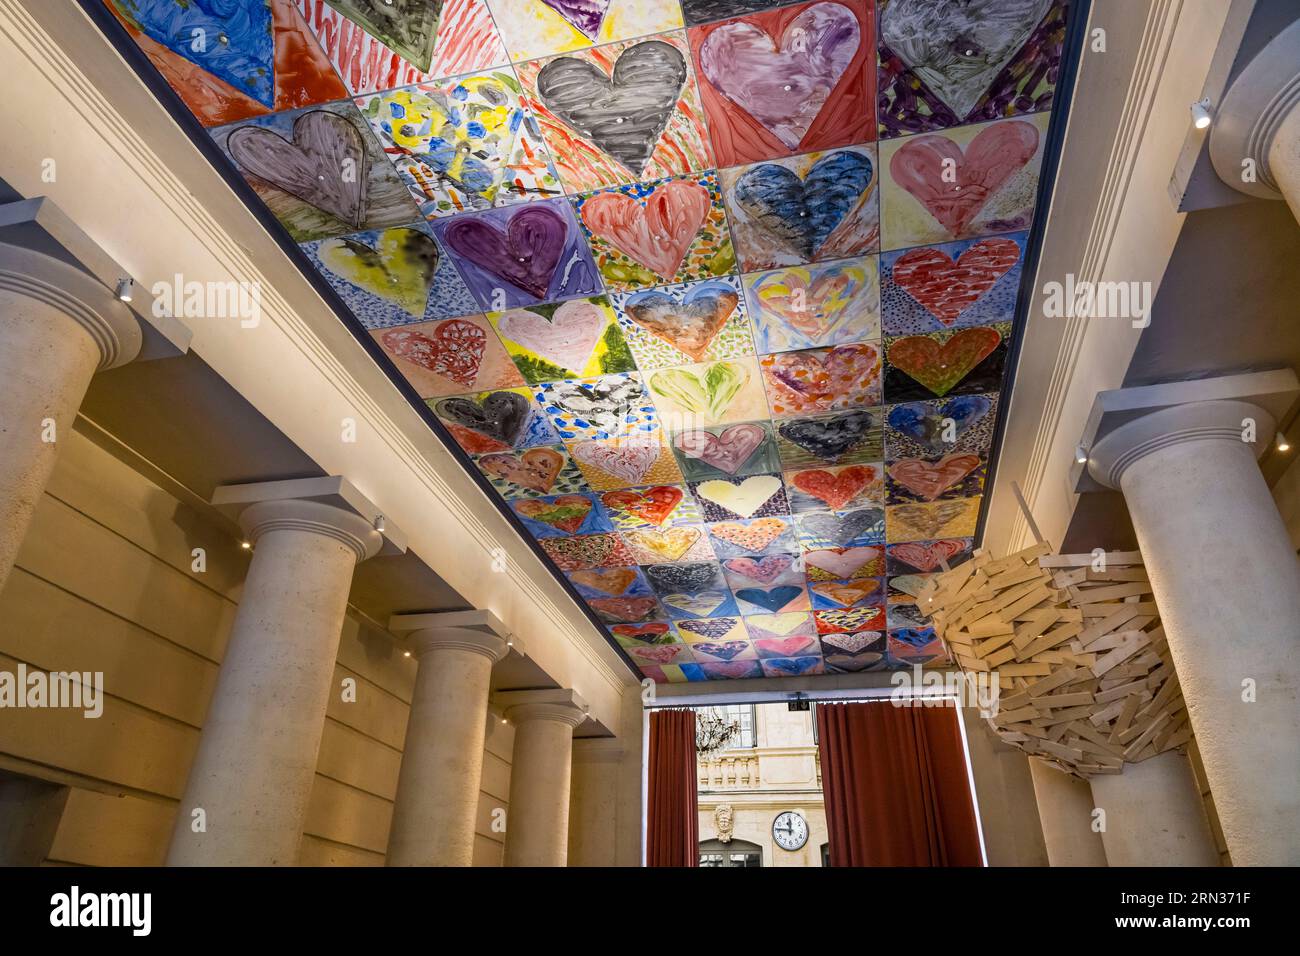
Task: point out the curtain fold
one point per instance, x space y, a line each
895 785
672 814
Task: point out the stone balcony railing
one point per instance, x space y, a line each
743 769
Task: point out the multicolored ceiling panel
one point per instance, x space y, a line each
717 295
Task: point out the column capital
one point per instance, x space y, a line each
82 298
561 705
476 631
1261 99
328 506
1126 424
1180 424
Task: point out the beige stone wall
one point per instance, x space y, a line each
104 583
1286 493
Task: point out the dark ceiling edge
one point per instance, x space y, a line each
116 34
1068 69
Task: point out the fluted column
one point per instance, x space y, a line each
256 760
541 765
58 327
1065 809
442 759
1227 584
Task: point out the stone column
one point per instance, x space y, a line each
1255 142
1228 588
1065 807
256 760
537 822
58 327
442 759
1154 814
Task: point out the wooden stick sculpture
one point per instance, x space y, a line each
1084 671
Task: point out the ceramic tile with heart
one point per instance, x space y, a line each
844 564
319 170
520 255
847 529
496 421
581 552
838 438
796 629
685 322
937 519
725 499
792 666
397 277
926 557
776 82
852 653
462 144
448 356
532 472
822 380
558 516
627 610
905 615
849 620
685 578
650 506
731 670
699 604
579 338
926 85
932 429
802 645
834 595
669 545
923 479
803 307
624 462
266 60
710 393
937 364
621 112
722 451
641 635
839 488
411 41
953 285
772 600
755 536
916 645
723 651
533 28
763 571
712 630
657 233
996 170
662 654
612 406
804 209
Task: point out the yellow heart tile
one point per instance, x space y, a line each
744 498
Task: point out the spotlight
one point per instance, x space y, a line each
1201 115
1282 443
379 523
124 289
1081 454
246 545
406 653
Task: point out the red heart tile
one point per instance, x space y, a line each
838 489
652 505
941 367
931 479
947 288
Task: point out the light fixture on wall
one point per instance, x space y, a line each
379 523
246 545
124 287
1080 455
1282 443
1201 115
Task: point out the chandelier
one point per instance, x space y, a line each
713 732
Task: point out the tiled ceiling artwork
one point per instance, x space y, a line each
717 295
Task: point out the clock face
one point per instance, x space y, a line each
790 830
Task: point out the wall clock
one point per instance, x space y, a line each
790 830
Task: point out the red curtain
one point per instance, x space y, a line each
673 819
895 784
